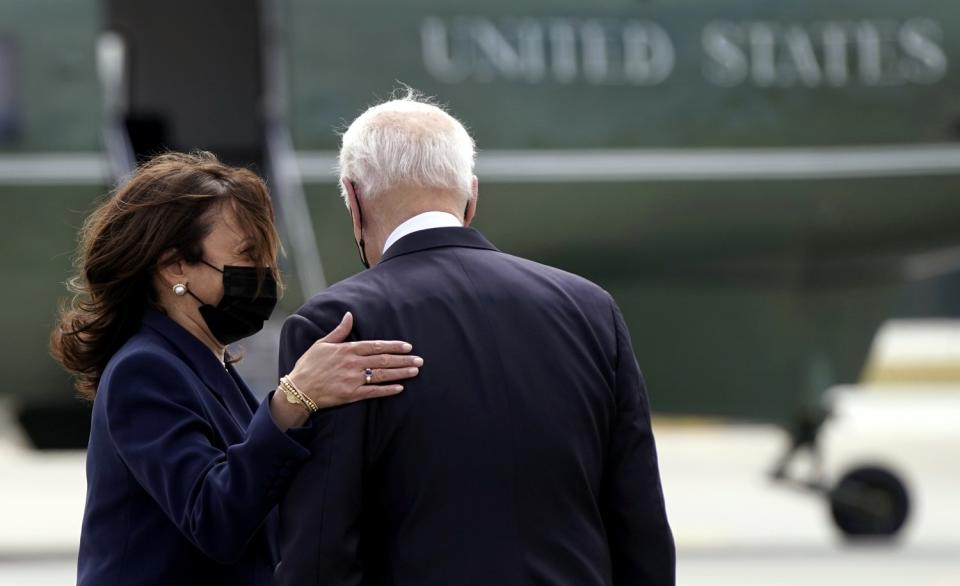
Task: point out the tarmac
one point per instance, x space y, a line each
732 524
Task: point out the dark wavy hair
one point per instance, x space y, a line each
164 207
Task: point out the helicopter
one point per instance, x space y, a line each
756 183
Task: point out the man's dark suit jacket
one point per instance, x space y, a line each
522 454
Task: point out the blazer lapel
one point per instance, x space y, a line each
249 399
200 359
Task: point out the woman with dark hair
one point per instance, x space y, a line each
184 467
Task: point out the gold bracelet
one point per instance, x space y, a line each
287 383
293 399
300 397
290 389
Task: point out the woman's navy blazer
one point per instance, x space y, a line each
184 468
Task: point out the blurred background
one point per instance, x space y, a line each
769 188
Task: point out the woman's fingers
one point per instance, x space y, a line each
389 361
371 347
339 333
374 391
385 375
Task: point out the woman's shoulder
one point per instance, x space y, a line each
142 358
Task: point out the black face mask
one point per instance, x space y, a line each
361 245
243 309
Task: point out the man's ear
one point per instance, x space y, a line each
349 188
471 210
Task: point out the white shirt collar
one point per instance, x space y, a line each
424 221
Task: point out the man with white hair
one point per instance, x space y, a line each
522 453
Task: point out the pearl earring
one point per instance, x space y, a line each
179 289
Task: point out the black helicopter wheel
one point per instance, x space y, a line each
869 503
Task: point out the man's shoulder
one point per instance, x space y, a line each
355 286
326 308
577 285
369 291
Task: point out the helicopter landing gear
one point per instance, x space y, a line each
867 502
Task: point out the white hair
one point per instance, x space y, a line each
407 141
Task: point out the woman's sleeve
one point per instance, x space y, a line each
217 498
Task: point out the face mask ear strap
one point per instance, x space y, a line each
361 245
211 266
200 301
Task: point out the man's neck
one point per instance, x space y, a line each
380 228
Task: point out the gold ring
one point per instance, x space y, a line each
368 375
